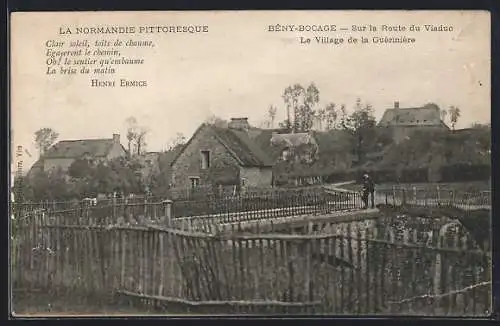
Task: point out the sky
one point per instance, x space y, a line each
239 69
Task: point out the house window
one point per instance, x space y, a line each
285 155
205 159
195 182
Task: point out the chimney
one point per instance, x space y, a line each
239 123
396 105
116 138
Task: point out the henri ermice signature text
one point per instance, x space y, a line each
118 83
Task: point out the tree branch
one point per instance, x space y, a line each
438 296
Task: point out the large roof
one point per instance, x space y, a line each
251 147
246 146
77 148
426 115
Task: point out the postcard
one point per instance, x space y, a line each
250 163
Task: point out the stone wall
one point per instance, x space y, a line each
223 166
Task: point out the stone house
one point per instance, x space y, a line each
62 154
404 121
220 155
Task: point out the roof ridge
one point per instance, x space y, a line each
87 139
77 147
411 108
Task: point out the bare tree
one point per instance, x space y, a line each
131 132
306 116
320 117
141 140
454 113
443 114
331 116
271 112
291 96
360 124
44 138
179 139
301 101
344 116
136 136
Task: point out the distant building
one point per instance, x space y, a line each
298 147
404 121
64 153
308 158
235 154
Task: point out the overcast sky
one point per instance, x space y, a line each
239 68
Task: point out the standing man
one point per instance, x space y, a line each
368 189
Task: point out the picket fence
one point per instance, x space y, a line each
160 262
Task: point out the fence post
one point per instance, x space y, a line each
438 268
415 195
168 211
438 195
128 211
394 195
113 206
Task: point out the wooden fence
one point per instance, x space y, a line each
353 272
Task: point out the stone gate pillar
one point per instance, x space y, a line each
167 206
